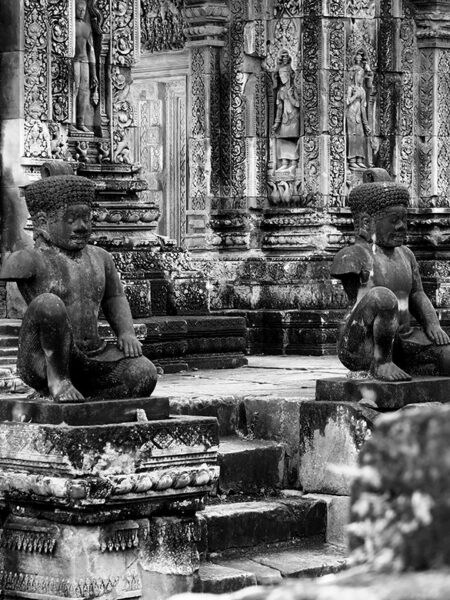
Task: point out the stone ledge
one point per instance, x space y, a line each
384 395
98 412
104 466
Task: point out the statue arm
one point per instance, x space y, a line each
117 311
91 51
278 115
364 120
421 308
351 283
18 266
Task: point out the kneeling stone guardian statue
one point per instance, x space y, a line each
64 281
381 278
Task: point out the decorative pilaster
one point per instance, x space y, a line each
205 27
433 40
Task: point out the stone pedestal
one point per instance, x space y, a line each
384 395
91 510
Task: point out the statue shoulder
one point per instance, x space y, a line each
100 255
21 264
407 252
352 259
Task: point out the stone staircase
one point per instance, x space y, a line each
258 527
256 532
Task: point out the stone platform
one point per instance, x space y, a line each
100 412
89 507
384 395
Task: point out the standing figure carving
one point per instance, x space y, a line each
286 127
84 67
357 125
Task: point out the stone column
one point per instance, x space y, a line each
433 40
13 210
205 27
430 226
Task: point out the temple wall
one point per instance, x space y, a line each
237 129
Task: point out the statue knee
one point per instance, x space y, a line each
47 307
141 376
385 299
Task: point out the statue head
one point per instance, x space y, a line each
357 75
80 9
379 212
60 208
284 69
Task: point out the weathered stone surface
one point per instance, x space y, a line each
119 559
250 465
171 546
384 395
331 435
216 579
400 511
310 560
278 418
107 466
338 516
97 412
431 585
244 524
264 575
224 408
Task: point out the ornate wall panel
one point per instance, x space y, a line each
162 25
36 80
237 108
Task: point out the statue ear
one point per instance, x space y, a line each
40 224
365 226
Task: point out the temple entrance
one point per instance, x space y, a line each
162 147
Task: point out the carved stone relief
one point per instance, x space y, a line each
162 25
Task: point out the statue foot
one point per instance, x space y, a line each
389 372
64 391
82 127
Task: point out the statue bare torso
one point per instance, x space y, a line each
80 282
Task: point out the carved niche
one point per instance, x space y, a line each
50 57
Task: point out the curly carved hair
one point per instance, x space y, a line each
375 197
51 193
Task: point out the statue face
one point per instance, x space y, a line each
285 75
70 227
80 9
390 227
358 77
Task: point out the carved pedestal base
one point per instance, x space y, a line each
87 508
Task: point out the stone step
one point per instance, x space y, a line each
9 341
247 524
8 361
250 465
306 559
8 351
10 327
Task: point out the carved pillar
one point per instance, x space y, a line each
13 210
433 39
206 24
430 225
